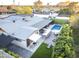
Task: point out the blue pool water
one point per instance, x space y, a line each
56 27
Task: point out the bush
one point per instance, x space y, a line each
66 11
11 53
64 46
23 10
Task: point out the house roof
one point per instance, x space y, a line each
42 24
28 21
22 29
21 33
5 40
35 37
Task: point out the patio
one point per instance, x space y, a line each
50 40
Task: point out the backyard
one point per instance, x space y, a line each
59 21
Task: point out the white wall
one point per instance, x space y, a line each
65 18
41 15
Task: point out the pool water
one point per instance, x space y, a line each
56 27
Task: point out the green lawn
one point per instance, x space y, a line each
59 21
43 52
76 41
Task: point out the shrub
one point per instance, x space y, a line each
11 53
64 46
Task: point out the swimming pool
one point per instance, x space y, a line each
56 27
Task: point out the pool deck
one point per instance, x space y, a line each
50 40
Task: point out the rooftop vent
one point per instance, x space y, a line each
32 15
25 20
13 21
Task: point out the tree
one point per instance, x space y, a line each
74 21
66 11
64 46
38 5
23 10
9 7
73 6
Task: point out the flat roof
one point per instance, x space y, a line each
28 21
5 40
21 33
42 24
34 37
22 27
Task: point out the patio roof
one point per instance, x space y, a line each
22 29
24 33
34 37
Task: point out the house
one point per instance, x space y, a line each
6 10
26 30
3 10
46 15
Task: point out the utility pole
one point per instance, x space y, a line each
13 2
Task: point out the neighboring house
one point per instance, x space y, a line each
25 30
61 19
5 10
46 15
64 18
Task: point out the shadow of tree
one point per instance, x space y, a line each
76 41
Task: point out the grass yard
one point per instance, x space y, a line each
60 21
43 52
76 41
